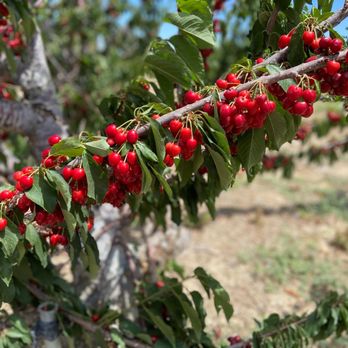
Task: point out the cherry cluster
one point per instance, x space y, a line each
298 101
237 339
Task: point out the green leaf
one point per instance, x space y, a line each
61 186
98 147
201 31
7 293
146 151
221 297
218 133
97 179
33 237
159 142
9 239
190 54
163 182
166 88
71 147
223 168
251 147
191 314
163 60
274 69
42 193
296 53
200 8
92 256
277 127
147 177
166 330
10 59
116 338
70 222
6 269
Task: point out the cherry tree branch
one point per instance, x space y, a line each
77 319
332 21
265 79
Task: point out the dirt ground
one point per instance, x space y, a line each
276 245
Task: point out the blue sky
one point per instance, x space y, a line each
167 30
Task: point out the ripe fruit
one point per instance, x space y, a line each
122 168
26 182
230 94
300 108
222 84
308 37
78 174
98 159
191 97
168 161
173 149
294 92
54 139
284 41
6 194
67 173
120 137
191 144
3 224
132 158
78 196
54 239
239 121
160 284
336 45
333 116
332 67
208 108
315 44
325 43
309 95
22 228
95 317
185 134
175 126
132 136
111 131
259 60
113 159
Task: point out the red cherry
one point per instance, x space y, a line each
336 45
78 174
111 131
230 78
332 67
95 317
173 149
67 173
175 126
45 153
78 196
6 194
230 94
222 84
315 44
325 43
160 284
239 120
54 139
27 170
132 136
294 92
113 159
299 108
17 175
191 97
22 228
54 239
333 116
259 60
225 111
308 37
4 10
49 162
120 137
63 240
309 95
168 161
3 224
110 141
26 182
122 168
308 112
208 108
191 144
284 41
155 116
185 134
132 158
98 159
